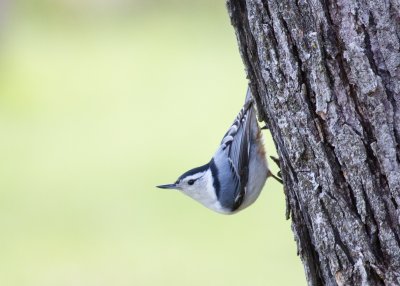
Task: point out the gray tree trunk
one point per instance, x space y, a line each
326 78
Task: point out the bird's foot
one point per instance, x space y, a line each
279 174
275 177
276 160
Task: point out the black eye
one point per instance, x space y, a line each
191 182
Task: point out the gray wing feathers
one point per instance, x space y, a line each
236 146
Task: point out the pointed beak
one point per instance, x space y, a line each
169 186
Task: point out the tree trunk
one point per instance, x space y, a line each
326 78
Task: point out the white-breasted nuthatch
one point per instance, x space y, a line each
237 172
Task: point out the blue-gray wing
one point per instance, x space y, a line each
236 146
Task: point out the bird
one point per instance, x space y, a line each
234 177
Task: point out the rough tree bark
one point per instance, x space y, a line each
326 78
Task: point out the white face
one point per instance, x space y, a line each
192 184
199 187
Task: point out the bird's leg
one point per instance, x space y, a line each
275 177
276 160
279 177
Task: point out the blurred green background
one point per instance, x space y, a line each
99 102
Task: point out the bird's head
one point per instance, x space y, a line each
193 181
198 184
